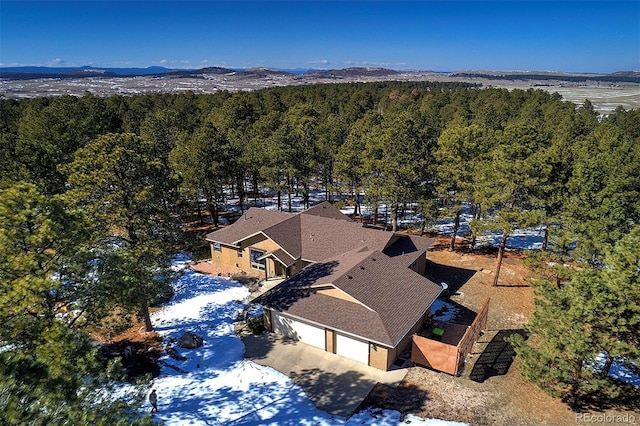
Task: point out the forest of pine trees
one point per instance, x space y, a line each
93 192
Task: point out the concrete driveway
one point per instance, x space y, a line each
334 383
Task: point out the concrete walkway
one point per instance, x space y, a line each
265 286
334 383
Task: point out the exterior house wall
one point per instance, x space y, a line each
293 269
393 353
260 242
228 256
380 357
330 341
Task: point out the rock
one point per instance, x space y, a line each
190 340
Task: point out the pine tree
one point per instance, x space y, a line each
458 147
506 178
595 315
125 190
49 371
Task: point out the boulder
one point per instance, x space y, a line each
190 340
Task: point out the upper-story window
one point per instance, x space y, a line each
217 247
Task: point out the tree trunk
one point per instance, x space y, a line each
199 210
279 200
289 192
241 192
503 243
545 239
213 209
375 213
394 216
255 188
607 366
456 226
144 312
305 194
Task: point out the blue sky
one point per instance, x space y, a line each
571 36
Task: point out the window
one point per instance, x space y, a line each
217 247
255 263
239 252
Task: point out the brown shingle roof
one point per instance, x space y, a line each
282 256
367 264
328 210
399 295
322 238
407 248
312 237
392 297
287 235
253 221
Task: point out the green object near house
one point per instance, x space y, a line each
438 331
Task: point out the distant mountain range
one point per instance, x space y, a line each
29 73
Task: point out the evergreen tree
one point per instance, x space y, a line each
506 180
603 192
49 371
593 316
126 190
458 147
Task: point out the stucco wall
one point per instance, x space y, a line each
228 256
380 357
330 341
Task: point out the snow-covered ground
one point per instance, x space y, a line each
219 386
618 370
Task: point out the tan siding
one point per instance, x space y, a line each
330 341
297 266
260 242
380 357
406 340
228 256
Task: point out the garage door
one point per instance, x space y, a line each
298 330
357 350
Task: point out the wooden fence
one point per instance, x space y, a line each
445 357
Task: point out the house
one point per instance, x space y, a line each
352 290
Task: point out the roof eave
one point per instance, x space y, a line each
421 316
